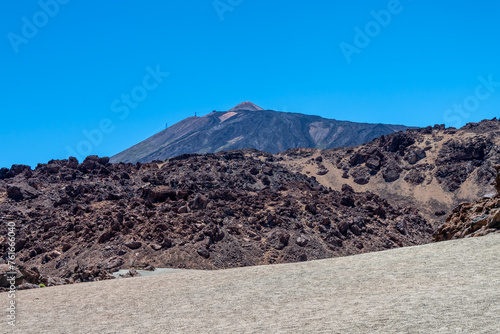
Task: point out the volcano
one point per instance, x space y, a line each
247 105
248 126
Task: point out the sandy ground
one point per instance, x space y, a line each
448 287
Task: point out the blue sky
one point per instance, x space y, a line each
67 70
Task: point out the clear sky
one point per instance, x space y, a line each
91 76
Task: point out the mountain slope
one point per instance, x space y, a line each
248 126
433 169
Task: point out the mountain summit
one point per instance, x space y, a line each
249 126
247 105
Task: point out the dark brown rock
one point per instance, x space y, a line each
203 252
21 191
391 172
113 263
132 272
17 170
279 239
133 244
415 156
159 194
322 171
415 177
198 203
3 173
312 208
105 236
360 175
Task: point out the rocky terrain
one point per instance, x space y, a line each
81 221
78 222
249 126
433 169
473 219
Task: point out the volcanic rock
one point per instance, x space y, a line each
433 169
391 172
21 191
197 211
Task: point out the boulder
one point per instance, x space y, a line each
415 177
112 263
21 192
18 169
198 203
278 239
133 244
312 208
322 171
3 173
302 240
361 175
391 172
5 275
415 156
203 252
159 194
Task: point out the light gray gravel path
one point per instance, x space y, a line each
448 287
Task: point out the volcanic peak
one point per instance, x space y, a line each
247 105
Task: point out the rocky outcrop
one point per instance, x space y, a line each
21 191
459 158
473 219
433 168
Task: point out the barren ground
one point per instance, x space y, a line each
447 287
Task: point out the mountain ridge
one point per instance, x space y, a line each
248 126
